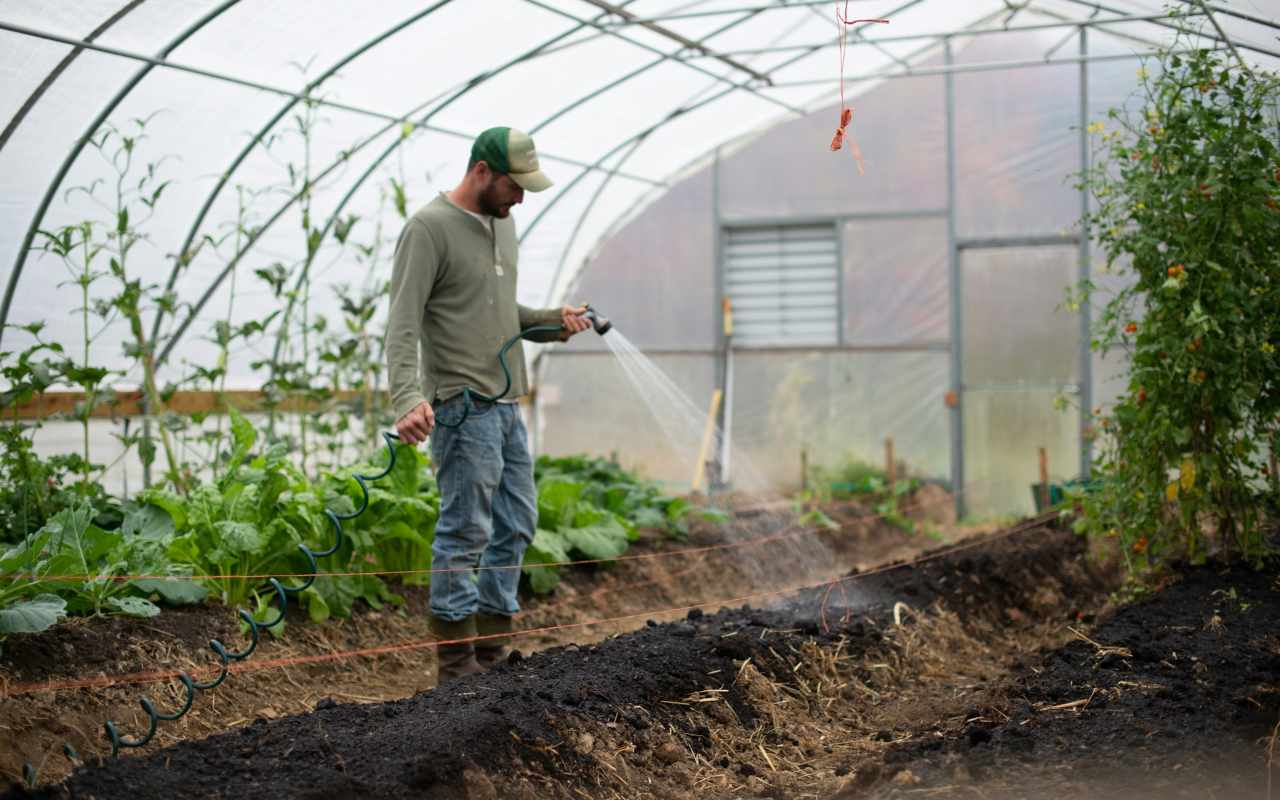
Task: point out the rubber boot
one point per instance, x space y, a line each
491 652
455 660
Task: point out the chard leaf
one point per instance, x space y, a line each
134 606
32 616
175 591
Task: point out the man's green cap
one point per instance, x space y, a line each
511 152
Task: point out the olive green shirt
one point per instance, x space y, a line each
453 306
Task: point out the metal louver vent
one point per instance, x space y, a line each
784 284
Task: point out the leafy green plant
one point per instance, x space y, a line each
591 508
1187 191
73 566
249 521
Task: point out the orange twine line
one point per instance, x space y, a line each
152 676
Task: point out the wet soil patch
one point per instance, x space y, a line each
1177 695
526 728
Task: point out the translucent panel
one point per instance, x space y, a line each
1014 331
896 282
68 19
1017 141
837 407
1003 431
587 405
717 117
659 289
790 171
24 63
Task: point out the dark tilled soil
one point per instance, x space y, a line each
83 646
469 738
1177 695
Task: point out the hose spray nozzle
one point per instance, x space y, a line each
601 324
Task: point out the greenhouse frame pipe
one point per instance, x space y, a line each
990 66
675 56
472 84
953 271
855 40
680 39
184 252
1180 29
235 260
264 87
79 146
724 11
1214 22
556 278
611 85
608 178
1233 13
60 68
672 115
1083 273
577 228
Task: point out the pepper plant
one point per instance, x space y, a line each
1186 192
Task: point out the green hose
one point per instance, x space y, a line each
468 395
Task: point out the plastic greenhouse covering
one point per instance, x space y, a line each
668 126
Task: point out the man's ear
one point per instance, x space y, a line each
482 171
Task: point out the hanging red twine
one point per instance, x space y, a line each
846 113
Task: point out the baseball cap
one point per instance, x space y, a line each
511 152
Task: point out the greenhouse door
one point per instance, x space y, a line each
1020 359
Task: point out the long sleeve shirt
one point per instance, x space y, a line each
453 306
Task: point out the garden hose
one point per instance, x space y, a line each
599 323
225 656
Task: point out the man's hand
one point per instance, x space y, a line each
572 321
416 426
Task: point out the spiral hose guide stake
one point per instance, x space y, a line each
225 656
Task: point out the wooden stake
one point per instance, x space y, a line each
1044 479
804 469
708 434
890 470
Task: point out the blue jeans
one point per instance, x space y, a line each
488 509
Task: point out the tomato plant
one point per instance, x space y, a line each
1185 192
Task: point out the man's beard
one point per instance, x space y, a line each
488 202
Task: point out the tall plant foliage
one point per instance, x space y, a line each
1186 192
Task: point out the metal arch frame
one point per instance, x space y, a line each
1064 23
198 306
270 89
61 67
1181 29
80 144
184 252
564 255
333 216
685 62
643 135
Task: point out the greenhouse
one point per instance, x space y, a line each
893 409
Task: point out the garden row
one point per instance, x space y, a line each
221 538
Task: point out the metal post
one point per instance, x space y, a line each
953 272
1083 271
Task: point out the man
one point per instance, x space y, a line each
453 301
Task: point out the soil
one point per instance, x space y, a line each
36 725
1175 696
651 707
999 666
